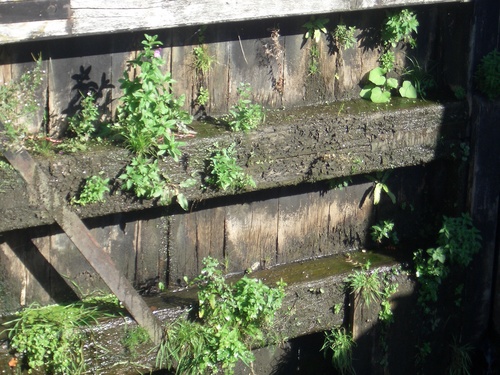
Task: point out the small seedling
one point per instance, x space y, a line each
314 28
384 230
93 191
379 185
223 172
378 90
245 115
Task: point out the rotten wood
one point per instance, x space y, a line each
78 233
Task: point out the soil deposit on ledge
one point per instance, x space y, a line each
298 145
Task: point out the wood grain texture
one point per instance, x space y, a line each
87 17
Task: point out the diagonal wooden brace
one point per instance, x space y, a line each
81 237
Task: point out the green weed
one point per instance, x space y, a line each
93 191
384 230
230 320
488 75
340 344
223 172
400 26
245 115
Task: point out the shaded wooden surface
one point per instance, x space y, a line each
28 19
241 52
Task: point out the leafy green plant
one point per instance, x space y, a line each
378 90
421 80
230 320
149 113
313 67
458 241
83 126
344 36
379 185
400 26
50 339
340 344
315 27
384 230
387 60
488 75
93 191
223 172
364 284
202 97
148 116
245 115
19 99
202 60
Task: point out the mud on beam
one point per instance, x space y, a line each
293 146
314 288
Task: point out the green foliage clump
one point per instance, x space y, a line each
399 26
149 112
83 126
344 36
19 99
315 27
380 185
223 172
148 117
245 115
134 338
384 230
230 320
488 75
458 241
93 191
340 344
202 59
364 284
378 90
51 339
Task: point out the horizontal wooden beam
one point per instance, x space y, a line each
58 18
294 146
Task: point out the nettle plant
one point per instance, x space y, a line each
398 27
231 320
148 118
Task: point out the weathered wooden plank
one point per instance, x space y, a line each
251 232
33 10
84 17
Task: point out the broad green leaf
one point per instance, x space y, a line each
407 90
392 83
379 96
366 91
377 76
